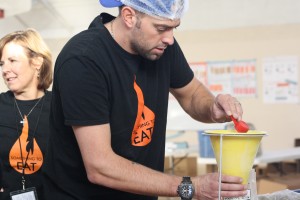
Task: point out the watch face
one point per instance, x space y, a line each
186 191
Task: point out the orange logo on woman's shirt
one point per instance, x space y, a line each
25 153
144 123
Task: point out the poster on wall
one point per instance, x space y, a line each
237 77
280 79
219 77
244 78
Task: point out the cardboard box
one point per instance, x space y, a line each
265 186
276 183
182 166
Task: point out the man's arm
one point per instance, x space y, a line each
106 168
201 104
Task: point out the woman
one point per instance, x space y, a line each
26 66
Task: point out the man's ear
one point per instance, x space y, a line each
128 15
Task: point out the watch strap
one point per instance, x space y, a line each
186 179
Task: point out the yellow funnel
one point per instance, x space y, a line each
238 151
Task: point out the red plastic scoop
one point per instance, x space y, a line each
240 126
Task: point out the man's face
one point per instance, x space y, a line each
151 36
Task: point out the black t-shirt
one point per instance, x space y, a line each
97 82
32 139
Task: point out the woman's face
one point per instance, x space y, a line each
18 73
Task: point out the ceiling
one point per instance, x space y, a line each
63 18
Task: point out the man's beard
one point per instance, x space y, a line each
142 50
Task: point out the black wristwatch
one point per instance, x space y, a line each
186 189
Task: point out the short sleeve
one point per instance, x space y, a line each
181 73
84 92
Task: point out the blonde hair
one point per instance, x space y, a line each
34 46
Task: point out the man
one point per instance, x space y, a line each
109 109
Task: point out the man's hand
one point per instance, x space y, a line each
224 106
207 186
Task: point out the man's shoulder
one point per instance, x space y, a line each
101 19
85 43
88 38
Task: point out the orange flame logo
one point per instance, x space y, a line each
144 124
26 153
